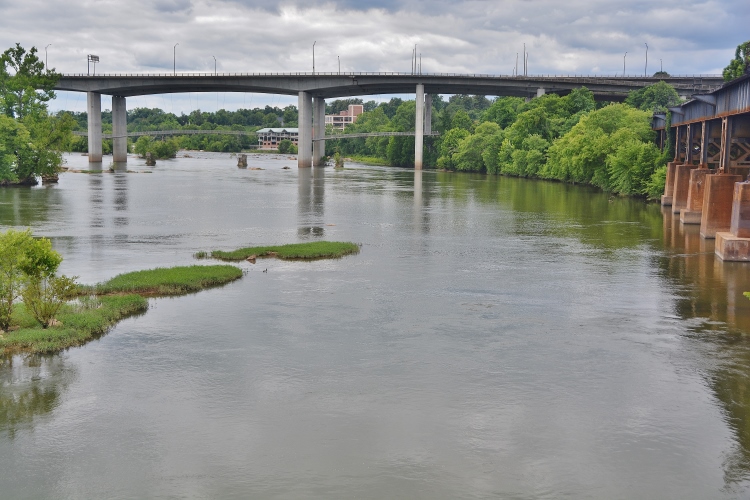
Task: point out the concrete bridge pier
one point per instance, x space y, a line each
541 91
319 131
668 196
735 244
719 191
305 138
94 110
119 130
428 114
419 128
682 175
691 214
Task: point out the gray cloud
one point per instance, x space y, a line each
575 36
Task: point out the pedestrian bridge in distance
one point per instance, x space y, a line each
160 133
312 89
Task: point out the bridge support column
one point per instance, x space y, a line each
716 215
691 214
119 129
304 141
419 129
94 110
540 91
428 114
666 198
735 244
319 131
681 186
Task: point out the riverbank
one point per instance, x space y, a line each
101 306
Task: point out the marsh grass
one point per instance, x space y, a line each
100 306
300 251
77 326
168 281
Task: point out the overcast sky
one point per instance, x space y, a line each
482 36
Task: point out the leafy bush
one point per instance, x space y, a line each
285 145
27 268
740 65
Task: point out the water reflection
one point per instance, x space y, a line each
311 202
30 387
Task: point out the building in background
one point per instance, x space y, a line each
346 117
269 138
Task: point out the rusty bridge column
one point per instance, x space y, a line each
691 214
682 173
719 190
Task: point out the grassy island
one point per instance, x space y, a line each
99 307
293 251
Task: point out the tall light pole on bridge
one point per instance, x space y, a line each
645 68
91 59
45 56
314 56
623 63
339 58
214 65
174 59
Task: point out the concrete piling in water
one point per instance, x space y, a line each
716 213
691 214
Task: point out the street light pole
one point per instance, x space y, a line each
661 66
214 65
174 59
45 55
339 58
645 68
623 63
314 56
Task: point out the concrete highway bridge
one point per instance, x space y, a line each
312 89
707 182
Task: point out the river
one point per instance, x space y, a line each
495 337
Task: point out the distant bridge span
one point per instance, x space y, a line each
157 133
312 89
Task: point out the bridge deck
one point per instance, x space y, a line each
332 85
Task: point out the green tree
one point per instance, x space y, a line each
503 111
285 145
740 65
656 97
25 84
13 245
449 147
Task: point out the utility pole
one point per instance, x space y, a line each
524 59
645 68
339 58
515 71
623 63
214 65
314 56
174 59
45 55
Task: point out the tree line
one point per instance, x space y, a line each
570 138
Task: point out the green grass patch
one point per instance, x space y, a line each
293 251
168 281
369 160
100 306
79 322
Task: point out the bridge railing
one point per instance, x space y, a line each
389 73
